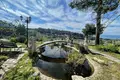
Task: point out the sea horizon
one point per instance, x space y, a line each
110 36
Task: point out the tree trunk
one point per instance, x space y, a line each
98 21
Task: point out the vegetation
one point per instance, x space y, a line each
2 59
108 52
59 33
22 71
90 30
108 48
99 6
17 33
21 39
21 45
20 30
13 40
75 58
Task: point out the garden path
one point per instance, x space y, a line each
105 55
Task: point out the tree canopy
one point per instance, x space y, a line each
20 29
107 5
90 29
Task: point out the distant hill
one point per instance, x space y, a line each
8 29
60 33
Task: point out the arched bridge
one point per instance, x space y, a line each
60 41
41 49
50 42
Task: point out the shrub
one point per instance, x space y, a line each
79 65
3 58
108 48
75 57
21 39
13 40
23 70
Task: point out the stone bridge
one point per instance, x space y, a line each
81 46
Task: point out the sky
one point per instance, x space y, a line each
56 14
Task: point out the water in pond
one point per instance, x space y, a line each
55 70
55 52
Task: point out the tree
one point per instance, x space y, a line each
90 29
99 6
20 30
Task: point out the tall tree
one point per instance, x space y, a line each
99 6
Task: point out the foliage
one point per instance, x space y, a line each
9 29
75 58
20 30
77 65
3 58
22 71
109 53
90 29
107 5
108 48
21 44
21 39
5 29
13 40
60 33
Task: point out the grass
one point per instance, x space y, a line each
38 43
109 71
75 57
22 45
108 48
22 71
116 55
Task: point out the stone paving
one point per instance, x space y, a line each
8 64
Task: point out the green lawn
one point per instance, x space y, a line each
22 71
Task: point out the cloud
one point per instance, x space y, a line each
54 14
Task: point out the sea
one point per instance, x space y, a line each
110 36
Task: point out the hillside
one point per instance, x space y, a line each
60 33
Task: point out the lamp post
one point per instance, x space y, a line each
27 21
